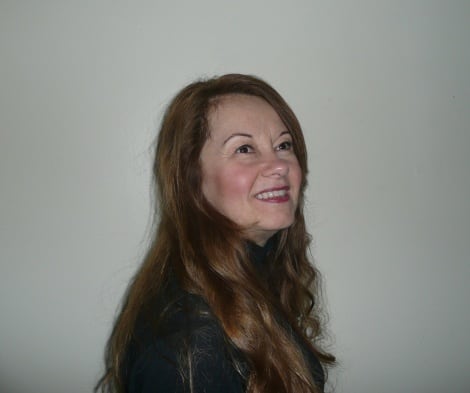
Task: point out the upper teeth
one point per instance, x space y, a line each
271 194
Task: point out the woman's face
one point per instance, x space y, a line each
250 173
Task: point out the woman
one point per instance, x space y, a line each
223 301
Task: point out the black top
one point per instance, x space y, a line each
158 360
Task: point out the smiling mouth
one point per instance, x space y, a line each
273 195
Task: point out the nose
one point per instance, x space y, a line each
275 166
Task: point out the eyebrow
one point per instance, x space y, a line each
237 134
250 136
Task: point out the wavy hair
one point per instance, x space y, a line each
207 253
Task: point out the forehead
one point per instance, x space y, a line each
241 112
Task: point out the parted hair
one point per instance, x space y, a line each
207 253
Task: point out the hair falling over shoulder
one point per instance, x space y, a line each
207 254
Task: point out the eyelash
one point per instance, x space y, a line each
288 145
244 147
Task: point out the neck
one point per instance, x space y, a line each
258 253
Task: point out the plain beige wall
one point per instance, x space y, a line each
382 89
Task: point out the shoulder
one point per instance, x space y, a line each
186 347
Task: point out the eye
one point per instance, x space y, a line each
244 149
287 145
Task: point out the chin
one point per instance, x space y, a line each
279 226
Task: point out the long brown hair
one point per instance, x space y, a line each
207 254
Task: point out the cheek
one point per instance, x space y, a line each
227 185
296 177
